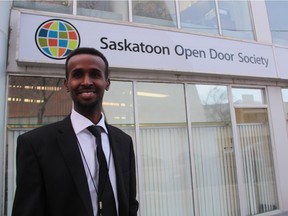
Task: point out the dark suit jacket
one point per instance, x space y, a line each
51 179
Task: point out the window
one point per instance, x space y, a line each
154 12
228 18
113 10
165 159
235 19
277 14
35 101
118 107
199 16
248 96
46 5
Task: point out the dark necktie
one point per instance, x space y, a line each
106 201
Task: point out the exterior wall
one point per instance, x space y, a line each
4 29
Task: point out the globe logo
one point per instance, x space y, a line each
56 38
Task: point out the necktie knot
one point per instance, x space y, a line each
95 130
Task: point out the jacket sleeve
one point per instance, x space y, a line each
29 196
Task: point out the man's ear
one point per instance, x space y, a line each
107 84
66 85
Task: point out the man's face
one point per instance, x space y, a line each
86 82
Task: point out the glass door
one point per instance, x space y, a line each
254 138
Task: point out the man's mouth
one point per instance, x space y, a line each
86 93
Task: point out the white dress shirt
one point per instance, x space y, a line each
87 147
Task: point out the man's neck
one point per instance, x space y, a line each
94 116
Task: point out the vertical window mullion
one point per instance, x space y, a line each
191 151
74 7
218 17
178 14
130 12
238 158
138 150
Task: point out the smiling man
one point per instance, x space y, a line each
81 165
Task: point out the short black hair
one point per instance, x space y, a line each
87 50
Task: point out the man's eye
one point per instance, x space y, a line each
77 74
95 74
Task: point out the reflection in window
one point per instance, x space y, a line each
212 103
113 10
248 96
202 16
46 5
235 19
154 12
36 101
213 151
199 16
118 106
277 13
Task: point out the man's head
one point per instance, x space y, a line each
87 50
87 79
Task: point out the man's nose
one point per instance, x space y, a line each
86 79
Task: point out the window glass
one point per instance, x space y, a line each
248 96
285 101
36 101
167 184
119 108
210 104
46 5
213 151
235 19
154 12
198 16
277 14
113 10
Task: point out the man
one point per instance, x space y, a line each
57 164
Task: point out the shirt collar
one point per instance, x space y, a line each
80 122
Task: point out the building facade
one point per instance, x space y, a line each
201 87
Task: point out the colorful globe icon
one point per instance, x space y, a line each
56 38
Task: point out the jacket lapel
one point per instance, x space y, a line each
68 145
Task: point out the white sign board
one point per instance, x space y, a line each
143 48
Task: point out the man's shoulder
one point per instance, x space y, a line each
46 130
